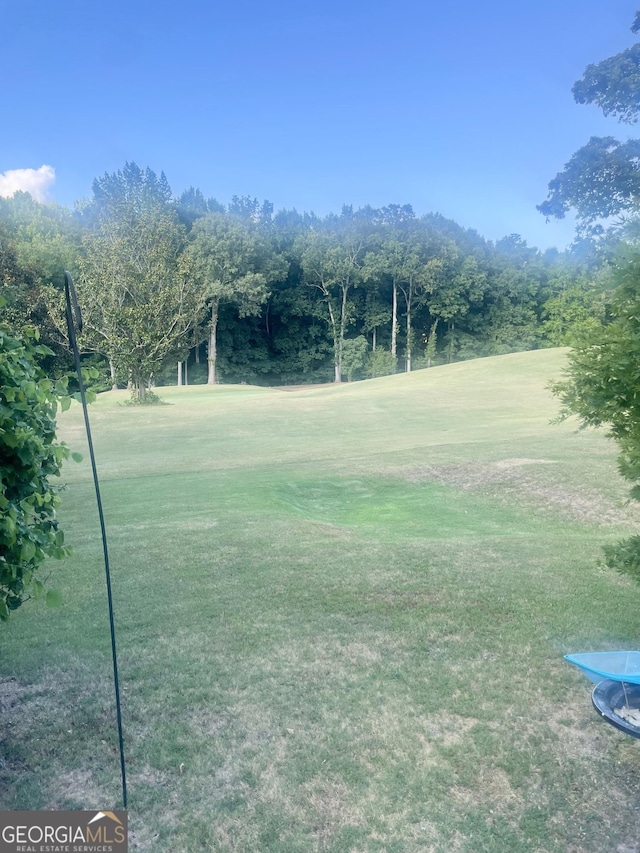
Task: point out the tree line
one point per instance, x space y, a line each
186 289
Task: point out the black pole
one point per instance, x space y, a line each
74 318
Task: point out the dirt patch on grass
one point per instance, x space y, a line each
524 481
65 718
473 476
11 693
208 723
399 600
448 729
330 800
331 661
492 789
576 738
76 789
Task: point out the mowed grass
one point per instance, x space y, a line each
341 618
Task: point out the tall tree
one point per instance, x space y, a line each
461 283
602 179
602 386
138 310
192 204
228 263
332 264
44 241
383 266
251 211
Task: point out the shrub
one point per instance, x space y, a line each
624 557
381 363
29 456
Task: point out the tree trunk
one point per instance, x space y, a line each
373 339
394 322
431 342
198 354
343 325
112 371
213 330
139 387
337 372
450 350
408 294
179 373
337 376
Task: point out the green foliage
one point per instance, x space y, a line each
603 389
572 315
430 341
197 374
29 456
332 263
354 355
614 83
624 557
381 363
228 263
602 179
95 374
37 243
603 384
275 298
150 399
138 310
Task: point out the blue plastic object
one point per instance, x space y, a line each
612 666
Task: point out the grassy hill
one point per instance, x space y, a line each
341 617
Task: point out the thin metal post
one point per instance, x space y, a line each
74 318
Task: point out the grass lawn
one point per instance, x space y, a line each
341 618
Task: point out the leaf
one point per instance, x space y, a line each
27 552
77 457
54 598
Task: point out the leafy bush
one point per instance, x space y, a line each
602 388
29 456
150 398
624 557
381 363
354 355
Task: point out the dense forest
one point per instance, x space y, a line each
189 290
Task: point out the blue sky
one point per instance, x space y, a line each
464 108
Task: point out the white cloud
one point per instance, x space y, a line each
34 181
